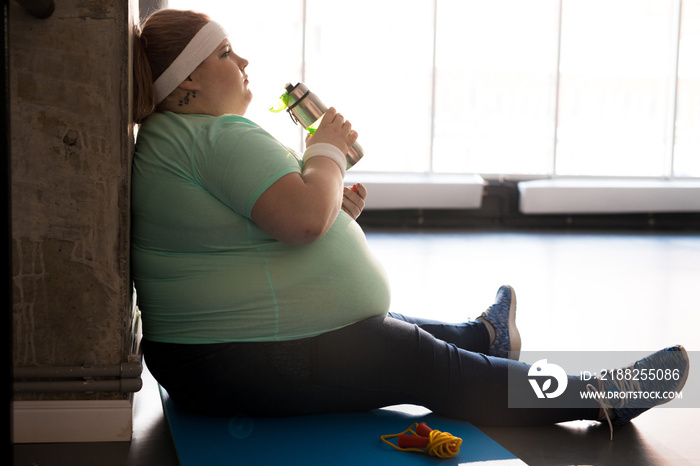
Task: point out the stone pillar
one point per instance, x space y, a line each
71 141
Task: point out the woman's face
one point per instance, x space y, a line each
222 83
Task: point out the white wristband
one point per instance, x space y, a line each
324 149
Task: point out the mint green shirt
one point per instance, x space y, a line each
204 272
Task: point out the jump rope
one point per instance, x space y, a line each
422 439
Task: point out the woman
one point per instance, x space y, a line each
257 288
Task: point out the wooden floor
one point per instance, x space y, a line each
575 291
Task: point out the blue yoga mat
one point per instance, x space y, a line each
328 439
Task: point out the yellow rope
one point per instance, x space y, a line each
440 444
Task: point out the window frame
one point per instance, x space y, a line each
424 180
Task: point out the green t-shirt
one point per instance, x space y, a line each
204 272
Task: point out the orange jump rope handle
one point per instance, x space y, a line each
421 440
423 430
412 441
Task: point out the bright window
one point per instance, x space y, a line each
615 77
686 154
504 87
495 86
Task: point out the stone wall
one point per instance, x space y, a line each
71 141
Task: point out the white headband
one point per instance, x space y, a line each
200 47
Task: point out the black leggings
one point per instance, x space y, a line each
380 361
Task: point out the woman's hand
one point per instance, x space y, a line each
354 200
334 129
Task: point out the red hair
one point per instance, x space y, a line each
163 36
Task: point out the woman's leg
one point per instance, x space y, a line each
494 332
373 363
402 363
470 336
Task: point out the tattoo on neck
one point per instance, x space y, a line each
186 99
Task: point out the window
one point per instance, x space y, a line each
686 154
495 86
504 87
615 81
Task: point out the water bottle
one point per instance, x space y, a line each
305 108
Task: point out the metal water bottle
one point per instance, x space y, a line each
306 109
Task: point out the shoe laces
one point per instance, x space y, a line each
617 384
621 384
590 388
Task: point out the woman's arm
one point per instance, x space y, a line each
299 209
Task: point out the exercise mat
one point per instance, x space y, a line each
326 439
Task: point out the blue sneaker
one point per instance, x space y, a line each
501 316
661 372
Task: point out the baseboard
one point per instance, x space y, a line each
419 191
500 210
72 421
608 196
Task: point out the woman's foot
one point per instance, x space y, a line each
500 322
627 392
